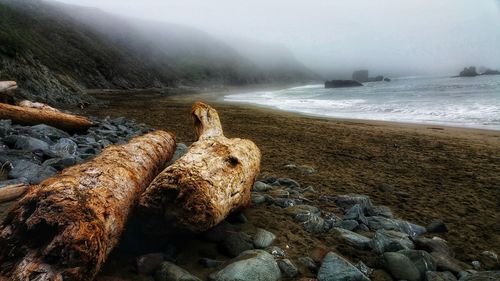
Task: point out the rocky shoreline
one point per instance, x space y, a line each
379 246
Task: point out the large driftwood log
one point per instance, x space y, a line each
11 192
34 116
65 228
210 181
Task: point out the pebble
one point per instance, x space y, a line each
308 263
288 268
171 272
263 238
236 243
390 241
356 213
259 186
249 266
400 266
436 226
149 263
336 268
357 241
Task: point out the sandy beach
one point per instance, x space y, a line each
421 172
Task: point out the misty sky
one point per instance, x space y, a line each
386 36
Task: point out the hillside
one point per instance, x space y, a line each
56 51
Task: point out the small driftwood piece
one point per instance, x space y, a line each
44 115
6 86
213 179
64 228
11 192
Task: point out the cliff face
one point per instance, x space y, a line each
56 51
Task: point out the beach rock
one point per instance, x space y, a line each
263 238
348 224
440 276
468 72
361 266
258 199
315 224
304 169
284 202
30 144
32 172
210 263
302 213
46 133
180 150
490 72
342 84
378 222
356 213
219 232
349 200
482 276
489 260
400 266
252 265
259 186
60 163
476 265
434 244
237 218
383 211
357 241
288 268
422 260
308 263
336 268
447 263
288 183
170 272
5 126
390 241
149 263
236 243
276 251
436 226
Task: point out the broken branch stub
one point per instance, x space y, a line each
213 179
64 228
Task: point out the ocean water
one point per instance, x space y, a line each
460 102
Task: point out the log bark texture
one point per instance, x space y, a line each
34 116
213 179
64 228
11 192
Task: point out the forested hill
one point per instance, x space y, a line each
56 51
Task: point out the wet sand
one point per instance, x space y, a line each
434 172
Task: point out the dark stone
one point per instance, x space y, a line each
180 150
349 200
434 244
348 224
34 173
210 263
249 266
45 132
390 241
64 147
336 268
259 186
342 84
386 79
356 213
489 260
437 226
219 232
383 211
5 126
468 72
288 183
263 238
357 241
149 263
378 222
60 163
491 72
237 218
482 276
258 199
315 224
308 263
440 276
235 243
400 266
360 75
288 268
422 260
446 263
170 272
30 144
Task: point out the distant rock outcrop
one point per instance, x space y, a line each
363 76
469 72
387 79
490 72
342 84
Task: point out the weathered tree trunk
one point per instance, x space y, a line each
64 228
210 181
34 116
11 192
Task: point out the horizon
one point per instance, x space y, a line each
387 37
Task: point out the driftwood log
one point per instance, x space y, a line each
11 192
33 116
64 228
213 179
6 86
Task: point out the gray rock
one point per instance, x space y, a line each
276 251
383 211
149 263
446 263
32 172
284 202
288 268
482 276
259 186
436 226
422 260
253 265
171 272
400 266
210 263
237 218
356 240
336 268
308 263
361 266
64 147
434 244
378 222
356 213
348 224
5 126
315 224
45 132
440 276
180 150
489 260
219 232
302 213
30 144
288 183
349 200
61 163
390 241
236 243
263 238
258 199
